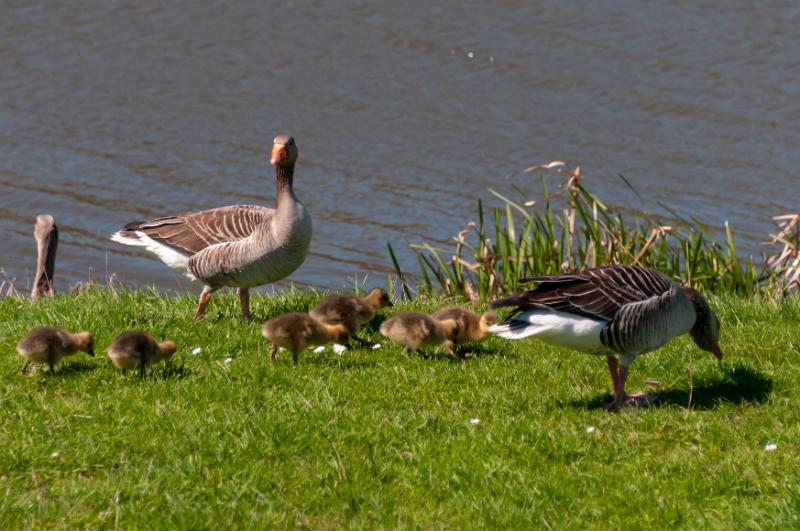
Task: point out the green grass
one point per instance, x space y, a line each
384 439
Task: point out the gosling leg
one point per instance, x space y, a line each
273 353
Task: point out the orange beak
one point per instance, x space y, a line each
716 351
278 154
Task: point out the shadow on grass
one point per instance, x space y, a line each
740 385
70 369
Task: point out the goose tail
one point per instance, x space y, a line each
136 238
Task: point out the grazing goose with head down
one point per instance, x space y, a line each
616 310
297 331
137 350
416 330
239 246
351 311
49 345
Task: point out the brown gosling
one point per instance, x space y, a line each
298 331
351 311
471 326
416 330
137 350
49 345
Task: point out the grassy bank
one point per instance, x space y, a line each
382 438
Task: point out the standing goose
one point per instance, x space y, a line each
615 310
239 246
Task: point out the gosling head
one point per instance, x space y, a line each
705 332
85 342
284 152
380 297
488 319
167 348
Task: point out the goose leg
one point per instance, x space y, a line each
202 302
25 366
621 398
613 369
244 298
619 384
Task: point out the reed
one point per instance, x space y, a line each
573 229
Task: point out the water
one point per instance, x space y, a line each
404 115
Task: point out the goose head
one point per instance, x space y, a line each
705 332
284 151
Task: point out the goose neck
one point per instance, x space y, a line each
283 182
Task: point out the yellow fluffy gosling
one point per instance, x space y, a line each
351 311
49 345
137 350
298 331
416 330
471 326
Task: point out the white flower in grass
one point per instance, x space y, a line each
376 346
319 349
770 447
474 421
339 349
228 361
55 455
590 429
197 351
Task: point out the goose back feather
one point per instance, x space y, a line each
616 308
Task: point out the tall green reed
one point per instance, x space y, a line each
572 229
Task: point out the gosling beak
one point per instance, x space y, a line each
278 154
716 351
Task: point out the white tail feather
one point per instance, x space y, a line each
174 260
557 328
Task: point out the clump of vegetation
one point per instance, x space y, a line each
573 229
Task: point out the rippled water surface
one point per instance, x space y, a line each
404 114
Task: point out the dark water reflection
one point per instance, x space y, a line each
404 115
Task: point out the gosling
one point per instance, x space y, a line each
50 345
298 331
416 330
471 326
350 311
137 350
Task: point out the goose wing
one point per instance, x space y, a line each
190 233
597 293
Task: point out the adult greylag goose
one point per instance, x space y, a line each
137 350
416 330
350 310
614 310
238 246
49 345
297 331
